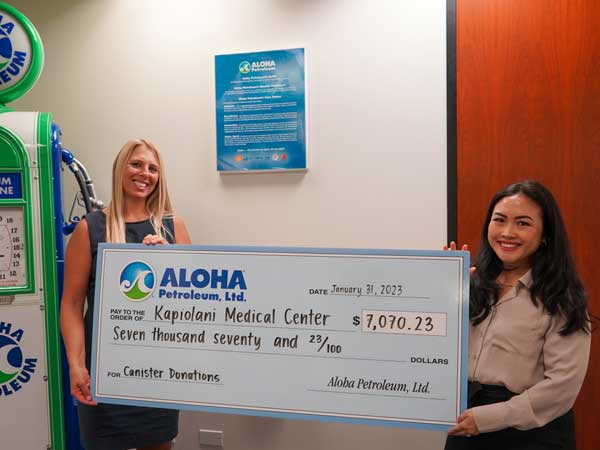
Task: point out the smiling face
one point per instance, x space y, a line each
140 175
515 231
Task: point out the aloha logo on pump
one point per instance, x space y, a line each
15 369
6 50
11 359
137 281
15 51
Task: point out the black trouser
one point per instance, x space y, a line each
558 434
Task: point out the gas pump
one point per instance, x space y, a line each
36 411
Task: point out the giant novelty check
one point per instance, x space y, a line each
364 336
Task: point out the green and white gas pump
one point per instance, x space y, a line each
32 410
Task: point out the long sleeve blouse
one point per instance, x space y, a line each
519 346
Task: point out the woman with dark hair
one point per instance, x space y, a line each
529 338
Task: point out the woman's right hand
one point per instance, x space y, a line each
464 248
465 425
80 385
154 239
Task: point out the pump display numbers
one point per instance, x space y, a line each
13 270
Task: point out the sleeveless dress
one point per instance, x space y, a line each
120 427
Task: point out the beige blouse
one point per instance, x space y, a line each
519 346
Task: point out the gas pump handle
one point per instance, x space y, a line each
66 156
83 179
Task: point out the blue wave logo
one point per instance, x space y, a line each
137 281
244 67
11 359
6 49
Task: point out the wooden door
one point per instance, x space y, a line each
528 106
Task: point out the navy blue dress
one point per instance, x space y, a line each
120 427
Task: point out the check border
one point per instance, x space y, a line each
413 422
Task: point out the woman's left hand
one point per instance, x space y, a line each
154 239
465 425
464 248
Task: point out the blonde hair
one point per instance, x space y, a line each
158 204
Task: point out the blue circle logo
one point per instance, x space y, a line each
21 54
137 281
244 67
11 359
6 49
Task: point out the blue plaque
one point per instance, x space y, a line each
261 114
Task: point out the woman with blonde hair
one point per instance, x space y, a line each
140 211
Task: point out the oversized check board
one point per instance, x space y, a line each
365 336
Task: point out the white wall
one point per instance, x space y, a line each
117 69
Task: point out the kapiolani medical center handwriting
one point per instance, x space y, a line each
235 315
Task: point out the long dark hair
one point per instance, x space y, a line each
555 281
